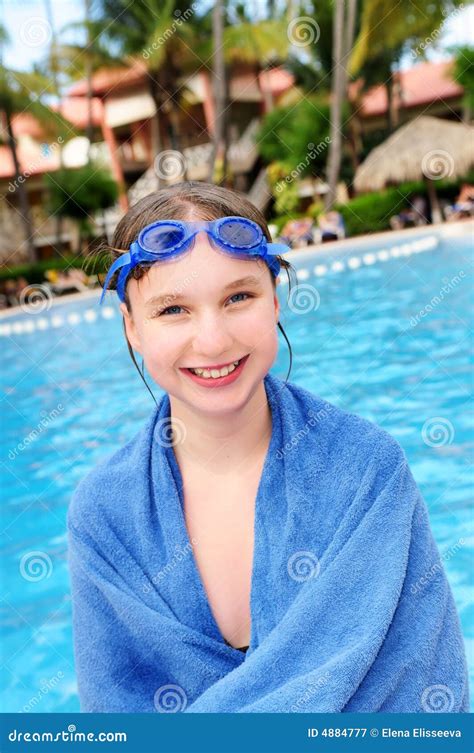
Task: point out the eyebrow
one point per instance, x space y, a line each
250 281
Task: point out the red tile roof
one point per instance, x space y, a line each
34 159
34 154
108 80
111 78
420 85
24 123
76 110
279 79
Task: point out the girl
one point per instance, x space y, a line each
253 547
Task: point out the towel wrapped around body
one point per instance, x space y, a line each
351 610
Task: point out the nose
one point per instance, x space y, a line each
212 339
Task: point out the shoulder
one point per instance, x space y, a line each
344 439
103 491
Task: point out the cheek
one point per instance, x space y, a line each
156 345
259 321
160 353
258 330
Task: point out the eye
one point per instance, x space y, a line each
163 312
249 295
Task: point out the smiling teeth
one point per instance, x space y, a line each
216 373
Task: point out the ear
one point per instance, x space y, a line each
130 328
277 305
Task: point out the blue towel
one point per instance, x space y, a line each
351 609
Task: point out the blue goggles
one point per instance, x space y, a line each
166 239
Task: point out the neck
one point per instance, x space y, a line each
223 444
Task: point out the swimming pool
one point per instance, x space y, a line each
382 331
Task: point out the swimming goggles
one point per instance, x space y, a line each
166 239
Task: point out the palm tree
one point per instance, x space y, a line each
259 44
219 85
252 43
163 34
387 30
463 73
81 61
53 66
343 36
19 92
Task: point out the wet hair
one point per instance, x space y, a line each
184 201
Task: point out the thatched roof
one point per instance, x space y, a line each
426 147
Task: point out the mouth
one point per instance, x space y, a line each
216 377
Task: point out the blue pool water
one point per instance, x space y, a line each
372 331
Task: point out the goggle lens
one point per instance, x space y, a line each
161 238
239 234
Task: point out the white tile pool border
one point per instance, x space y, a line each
445 230
400 243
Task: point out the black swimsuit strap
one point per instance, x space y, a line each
240 648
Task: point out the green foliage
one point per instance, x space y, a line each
315 209
261 42
162 32
76 61
391 28
370 213
23 91
464 73
297 136
35 273
286 197
81 193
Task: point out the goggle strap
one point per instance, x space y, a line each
277 249
122 261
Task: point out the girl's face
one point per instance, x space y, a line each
193 313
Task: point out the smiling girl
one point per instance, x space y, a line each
252 541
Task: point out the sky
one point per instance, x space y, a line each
26 24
